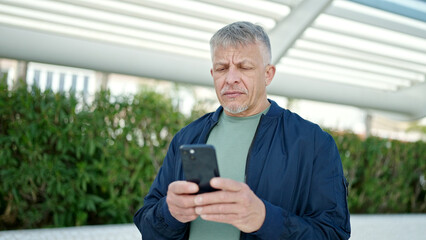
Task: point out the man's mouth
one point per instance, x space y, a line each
233 94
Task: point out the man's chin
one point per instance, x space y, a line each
235 109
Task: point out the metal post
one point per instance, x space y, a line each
368 121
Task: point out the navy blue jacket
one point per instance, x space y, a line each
292 166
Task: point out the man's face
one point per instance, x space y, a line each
240 78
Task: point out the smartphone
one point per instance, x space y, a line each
199 165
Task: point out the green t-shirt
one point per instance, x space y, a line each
231 137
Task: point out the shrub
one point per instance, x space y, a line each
65 163
385 176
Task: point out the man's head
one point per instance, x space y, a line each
242 34
241 55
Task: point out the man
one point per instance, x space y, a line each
281 176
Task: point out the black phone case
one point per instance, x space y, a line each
199 165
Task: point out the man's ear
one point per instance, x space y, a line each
211 71
269 74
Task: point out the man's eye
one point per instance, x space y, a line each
219 69
246 68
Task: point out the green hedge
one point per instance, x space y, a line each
65 163
385 176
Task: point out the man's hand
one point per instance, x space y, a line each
235 204
180 202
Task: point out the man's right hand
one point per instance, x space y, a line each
181 202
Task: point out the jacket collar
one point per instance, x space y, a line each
216 114
274 110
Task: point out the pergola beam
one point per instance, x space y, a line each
289 29
362 17
407 104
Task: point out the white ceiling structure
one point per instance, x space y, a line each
345 52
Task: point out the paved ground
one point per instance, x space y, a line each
389 227
364 227
102 232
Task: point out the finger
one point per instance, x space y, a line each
183 187
226 184
222 218
181 207
182 211
219 209
216 197
183 215
187 218
181 201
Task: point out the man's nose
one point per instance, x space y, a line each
233 76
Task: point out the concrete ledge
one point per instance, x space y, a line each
389 227
101 232
364 227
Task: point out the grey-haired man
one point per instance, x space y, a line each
281 176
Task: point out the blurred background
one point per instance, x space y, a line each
92 92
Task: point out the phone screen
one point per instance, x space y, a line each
199 165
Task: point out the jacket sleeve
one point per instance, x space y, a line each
326 215
154 220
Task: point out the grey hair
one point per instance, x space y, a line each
242 34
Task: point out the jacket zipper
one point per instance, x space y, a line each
251 145
248 159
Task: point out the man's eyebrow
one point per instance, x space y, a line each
220 63
244 61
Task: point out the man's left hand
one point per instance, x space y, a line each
234 204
